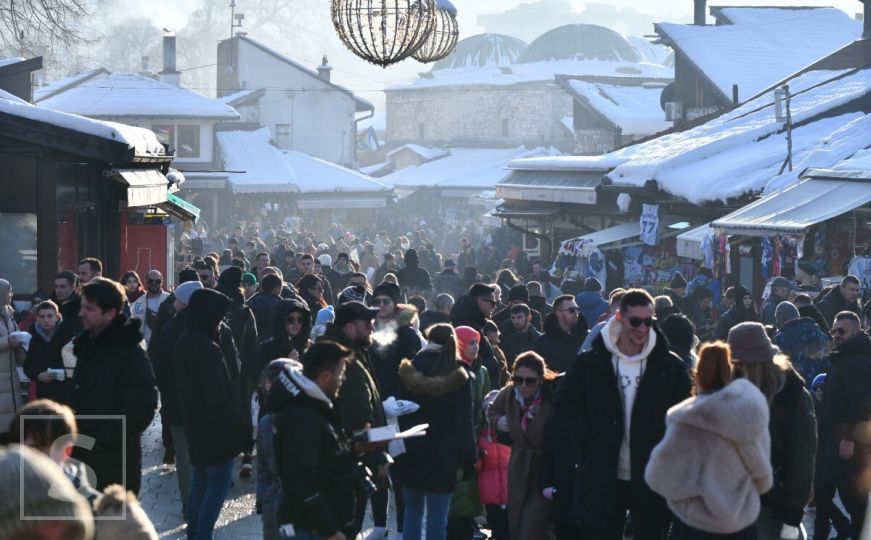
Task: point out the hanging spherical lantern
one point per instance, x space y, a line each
443 38
383 32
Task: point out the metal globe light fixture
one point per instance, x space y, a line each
443 39
383 32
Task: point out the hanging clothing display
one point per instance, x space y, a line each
860 267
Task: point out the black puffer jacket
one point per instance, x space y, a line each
834 303
388 352
793 430
264 305
313 457
589 403
560 349
275 347
212 417
847 396
466 313
113 377
513 342
240 319
431 462
733 316
413 279
42 355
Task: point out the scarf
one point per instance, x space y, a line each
527 410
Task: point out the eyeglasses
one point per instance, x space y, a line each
294 320
381 301
572 310
636 321
154 280
524 381
838 331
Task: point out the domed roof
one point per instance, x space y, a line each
483 51
580 42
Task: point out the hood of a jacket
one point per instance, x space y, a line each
284 309
738 412
611 334
121 332
466 310
292 386
589 300
860 345
426 385
552 329
206 309
411 259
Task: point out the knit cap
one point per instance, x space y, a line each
33 487
785 312
326 315
231 278
592 284
325 259
184 291
249 279
389 290
518 293
750 344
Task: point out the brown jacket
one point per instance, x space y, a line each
528 511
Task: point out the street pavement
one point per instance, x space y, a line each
160 499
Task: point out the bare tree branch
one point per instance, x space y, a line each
28 27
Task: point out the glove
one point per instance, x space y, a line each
788 532
502 424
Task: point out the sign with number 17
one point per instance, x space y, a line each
650 224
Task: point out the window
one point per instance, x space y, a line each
188 142
282 136
504 127
18 244
421 131
165 134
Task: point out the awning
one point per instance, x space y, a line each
613 234
573 187
526 213
180 208
145 187
490 220
689 243
794 209
332 203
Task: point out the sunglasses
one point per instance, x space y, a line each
294 320
524 381
838 331
636 321
381 301
571 310
155 281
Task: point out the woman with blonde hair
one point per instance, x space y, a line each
713 463
792 427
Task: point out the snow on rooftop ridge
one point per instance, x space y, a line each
124 94
236 96
636 109
860 161
763 15
257 165
42 92
655 54
9 61
143 141
767 45
477 168
318 176
567 163
426 153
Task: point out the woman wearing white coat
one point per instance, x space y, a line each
714 461
11 356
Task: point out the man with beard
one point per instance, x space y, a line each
564 333
360 395
518 334
145 307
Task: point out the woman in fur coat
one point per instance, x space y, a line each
713 463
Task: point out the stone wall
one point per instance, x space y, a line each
594 141
477 115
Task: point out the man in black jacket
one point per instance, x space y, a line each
518 334
846 413
413 279
564 332
67 298
628 369
844 297
112 377
517 295
313 454
264 304
448 281
473 310
213 420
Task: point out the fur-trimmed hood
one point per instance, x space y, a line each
418 382
405 315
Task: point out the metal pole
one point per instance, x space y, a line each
232 16
788 128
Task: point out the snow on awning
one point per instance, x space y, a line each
689 243
617 233
794 209
577 187
145 187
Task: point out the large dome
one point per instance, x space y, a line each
483 51
580 42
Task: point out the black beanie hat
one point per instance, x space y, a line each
518 292
678 282
188 274
230 278
389 290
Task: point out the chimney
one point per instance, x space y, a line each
867 19
324 70
699 16
169 75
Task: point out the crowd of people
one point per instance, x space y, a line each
544 407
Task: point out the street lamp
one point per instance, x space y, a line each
443 38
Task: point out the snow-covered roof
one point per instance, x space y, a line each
580 42
119 95
241 96
743 150
426 153
42 92
143 141
860 161
483 51
9 61
479 168
635 109
650 52
259 167
763 46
